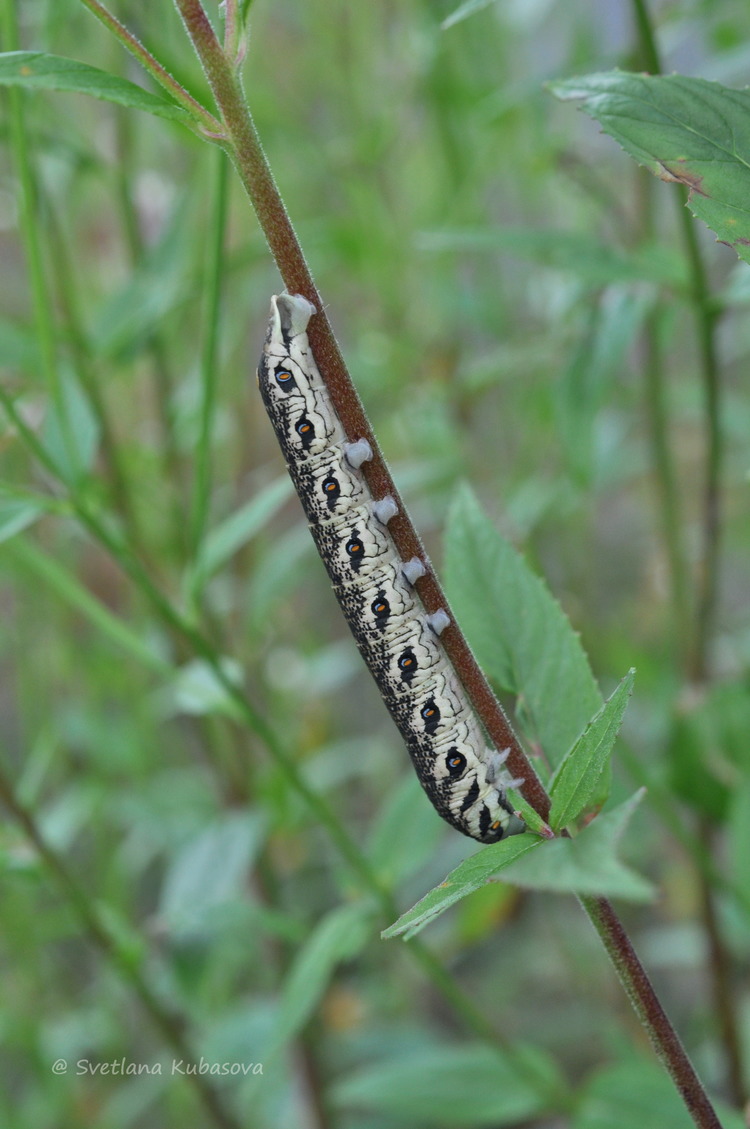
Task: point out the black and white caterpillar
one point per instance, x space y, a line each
464 779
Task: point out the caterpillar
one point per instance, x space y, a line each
463 777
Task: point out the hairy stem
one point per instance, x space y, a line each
154 67
647 1007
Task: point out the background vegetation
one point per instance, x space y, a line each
513 296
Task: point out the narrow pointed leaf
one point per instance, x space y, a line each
38 71
576 781
472 873
338 937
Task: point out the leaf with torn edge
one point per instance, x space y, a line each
682 129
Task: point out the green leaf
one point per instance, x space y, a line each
471 1086
587 382
468 8
405 833
128 316
587 864
36 71
17 514
577 778
66 586
472 873
197 689
18 347
338 937
519 632
682 129
231 534
739 839
211 870
71 430
708 750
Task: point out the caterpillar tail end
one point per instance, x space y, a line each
291 313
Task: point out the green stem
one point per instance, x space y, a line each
209 353
721 976
68 298
154 67
708 577
705 316
171 1024
655 394
45 330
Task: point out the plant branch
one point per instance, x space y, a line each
647 1007
256 176
705 315
696 661
154 67
209 352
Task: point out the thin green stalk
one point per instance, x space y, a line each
232 29
68 297
209 354
696 661
708 577
654 374
720 964
44 322
171 1024
705 315
162 384
154 68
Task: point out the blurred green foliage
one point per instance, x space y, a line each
497 272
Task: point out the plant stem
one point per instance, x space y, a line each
645 1002
154 67
247 153
705 318
209 361
720 968
44 323
696 662
655 393
171 1024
